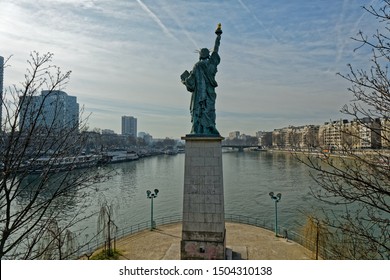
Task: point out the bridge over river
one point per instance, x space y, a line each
241 147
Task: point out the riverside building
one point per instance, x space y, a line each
129 126
55 109
365 133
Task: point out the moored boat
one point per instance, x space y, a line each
58 164
120 156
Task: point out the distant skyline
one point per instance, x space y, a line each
279 59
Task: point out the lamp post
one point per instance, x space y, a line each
276 198
151 195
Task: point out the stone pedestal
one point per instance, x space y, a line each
203 233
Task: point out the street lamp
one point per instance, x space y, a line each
151 195
276 198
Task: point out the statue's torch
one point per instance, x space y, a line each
218 31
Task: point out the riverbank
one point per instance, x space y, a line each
350 154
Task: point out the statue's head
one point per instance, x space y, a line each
204 53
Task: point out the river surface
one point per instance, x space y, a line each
248 179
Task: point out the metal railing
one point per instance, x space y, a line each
98 241
282 232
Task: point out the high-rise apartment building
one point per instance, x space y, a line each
55 109
129 126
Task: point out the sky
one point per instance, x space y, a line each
279 59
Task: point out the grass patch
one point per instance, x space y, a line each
105 255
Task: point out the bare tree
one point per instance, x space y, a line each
316 236
58 244
357 184
106 224
36 188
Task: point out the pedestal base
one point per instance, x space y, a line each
203 233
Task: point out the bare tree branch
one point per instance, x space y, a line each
36 191
357 182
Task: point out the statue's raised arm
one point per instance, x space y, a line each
218 31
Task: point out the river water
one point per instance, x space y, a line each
248 179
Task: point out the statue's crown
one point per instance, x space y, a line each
204 53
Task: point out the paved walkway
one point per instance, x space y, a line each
248 242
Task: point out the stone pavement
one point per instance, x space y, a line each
245 241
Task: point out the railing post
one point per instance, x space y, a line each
228 217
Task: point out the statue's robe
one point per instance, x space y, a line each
201 83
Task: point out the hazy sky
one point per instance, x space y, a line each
279 59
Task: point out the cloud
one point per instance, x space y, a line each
126 57
254 16
156 19
169 10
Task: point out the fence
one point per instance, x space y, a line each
98 242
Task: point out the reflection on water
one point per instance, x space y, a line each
248 179
38 192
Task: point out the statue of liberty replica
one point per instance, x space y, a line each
203 230
201 83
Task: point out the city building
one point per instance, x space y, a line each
364 133
385 133
307 136
336 134
146 137
295 137
278 138
285 138
264 138
55 109
369 133
129 126
358 134
234 135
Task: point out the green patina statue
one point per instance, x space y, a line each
201 83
